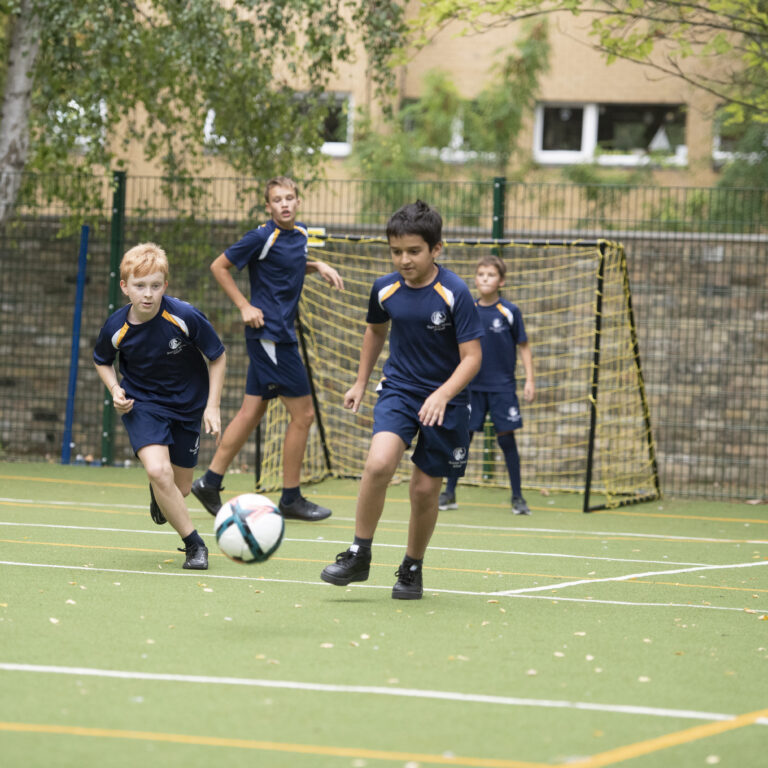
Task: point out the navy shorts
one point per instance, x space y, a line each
440 451
149 428
275 369
503 407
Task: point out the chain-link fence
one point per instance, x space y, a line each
698 263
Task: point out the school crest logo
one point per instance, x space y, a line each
438 321
513 414
174 346
497 326
459 454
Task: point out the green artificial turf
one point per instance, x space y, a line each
636 636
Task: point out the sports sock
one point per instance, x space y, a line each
508 446
212 479
290 495
450 485
193 541
409 562
362 544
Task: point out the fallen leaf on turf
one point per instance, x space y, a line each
493 601
643 679
531 672
53 621
326 645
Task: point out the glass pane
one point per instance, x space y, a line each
562 128
640 128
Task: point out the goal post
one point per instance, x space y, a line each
589 428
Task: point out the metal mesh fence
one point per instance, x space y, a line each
698 266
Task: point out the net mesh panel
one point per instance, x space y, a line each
565 292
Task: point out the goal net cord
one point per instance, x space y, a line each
588 429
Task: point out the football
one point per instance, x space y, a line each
249 528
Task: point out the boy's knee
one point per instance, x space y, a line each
303 417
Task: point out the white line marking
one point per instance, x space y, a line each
263 580
627 577
171 532
416 693
460 526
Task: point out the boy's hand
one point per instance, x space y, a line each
529 391
330 275
353 397
212 422
120 401
252 316
432 409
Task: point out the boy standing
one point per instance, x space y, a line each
166 387
434 353
276 256
494 387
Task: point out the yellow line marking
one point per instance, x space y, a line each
68 481
613 756
269 746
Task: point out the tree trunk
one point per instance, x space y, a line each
24 43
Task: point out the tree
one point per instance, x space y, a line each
83 79
719 46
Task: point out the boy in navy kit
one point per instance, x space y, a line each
276 256
434 347
166 388
494 387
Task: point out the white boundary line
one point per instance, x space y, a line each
263 580
627 577
460 526
373 690
320 540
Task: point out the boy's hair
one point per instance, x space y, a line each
142 260
280 181
492 260
417 219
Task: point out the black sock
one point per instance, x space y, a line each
363 545
213 479
290 495
508 445
193 541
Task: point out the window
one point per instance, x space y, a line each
336 128
610 134
747 140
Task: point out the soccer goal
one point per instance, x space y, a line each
589 429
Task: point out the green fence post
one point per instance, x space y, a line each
497 233
117 237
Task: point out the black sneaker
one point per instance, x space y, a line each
303 509
349 566
408 585
208 496
154 510
519 507
447 501
197 558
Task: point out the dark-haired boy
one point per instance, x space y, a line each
434 347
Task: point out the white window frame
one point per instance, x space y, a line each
588 153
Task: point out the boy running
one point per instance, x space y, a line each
276 256
166 388
434 353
